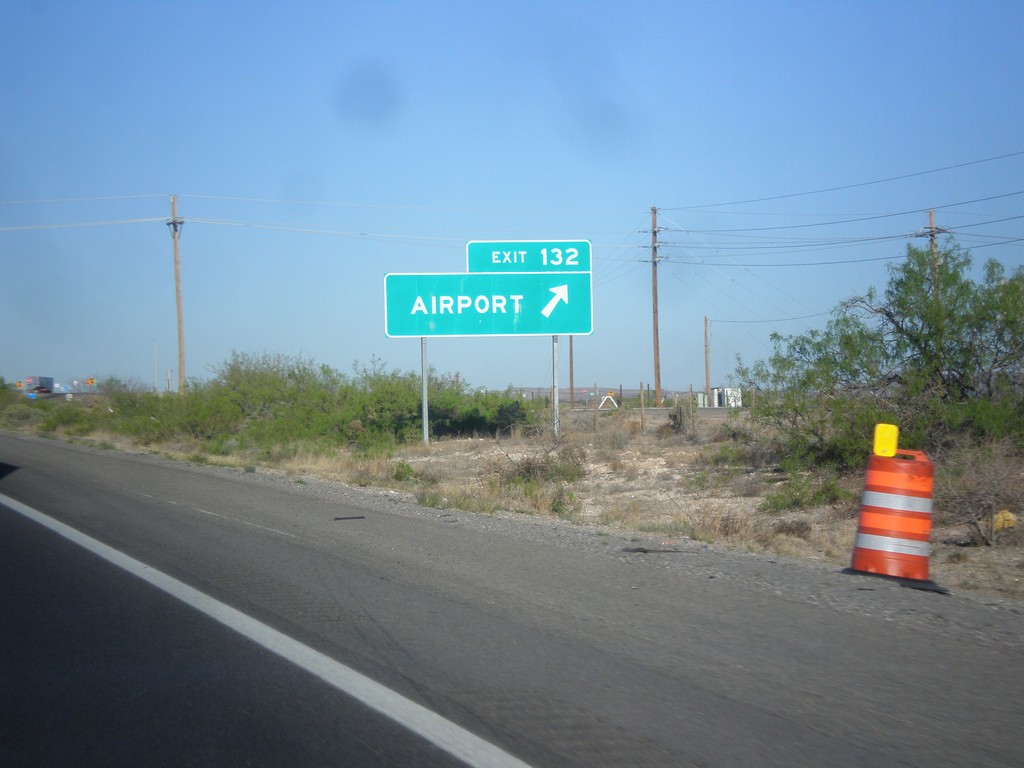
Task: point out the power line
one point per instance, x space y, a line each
983 223
987 236
850 186
845 221
758 277
757 340
396 206
331 232
797 264
780 320
604 274
29 227
78 199
791 244
1002 242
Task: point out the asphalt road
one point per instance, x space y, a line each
101 669
551 644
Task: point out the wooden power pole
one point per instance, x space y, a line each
707 364
175 225
932 231
654 305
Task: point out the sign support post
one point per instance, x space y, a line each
423 389
554 387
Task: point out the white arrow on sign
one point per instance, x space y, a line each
561 294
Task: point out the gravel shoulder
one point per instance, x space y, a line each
972 615
985 604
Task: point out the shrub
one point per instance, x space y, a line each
71 418
561 463
270 403
22 415
798 529
802 490
564 503
973 483
402 471
8 394
679 419
511 414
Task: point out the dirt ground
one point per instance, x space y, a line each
639 477
660 485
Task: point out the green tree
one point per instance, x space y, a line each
937 353
816 391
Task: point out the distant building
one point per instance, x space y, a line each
721 397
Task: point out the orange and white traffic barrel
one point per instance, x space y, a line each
895 523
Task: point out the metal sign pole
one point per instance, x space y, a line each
423 388
554 386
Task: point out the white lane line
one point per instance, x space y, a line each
442 733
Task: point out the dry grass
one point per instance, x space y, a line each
656 482
674 488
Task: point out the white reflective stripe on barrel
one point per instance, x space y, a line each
896 501
896 546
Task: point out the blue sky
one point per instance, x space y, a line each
793 149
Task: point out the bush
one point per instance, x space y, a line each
679 419
511 414
401 471
8 394
71 418
271 403
561 463
802 490
21 415
974 483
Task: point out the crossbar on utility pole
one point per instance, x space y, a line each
175 225
930 233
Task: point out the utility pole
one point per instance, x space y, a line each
939 330
932 231
654 305
707 364
175 225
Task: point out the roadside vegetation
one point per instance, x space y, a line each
271 407
937 353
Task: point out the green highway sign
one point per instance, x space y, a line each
528 256
488 304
